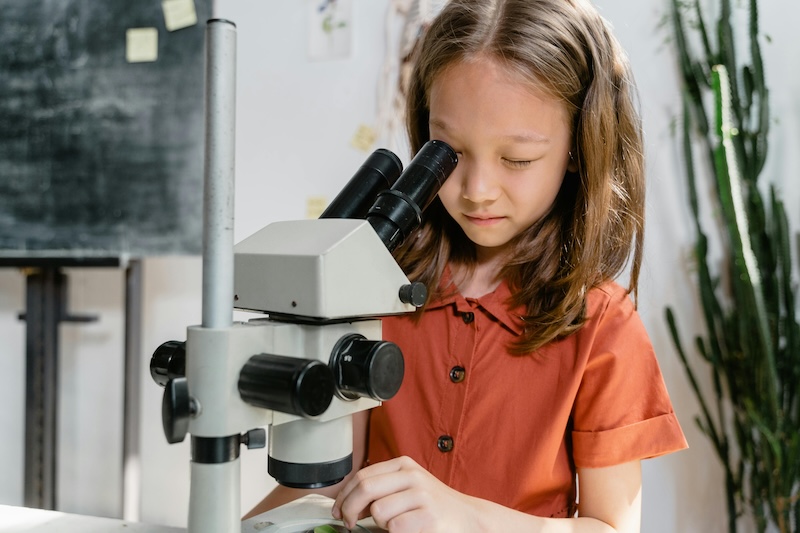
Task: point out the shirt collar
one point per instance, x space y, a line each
496 303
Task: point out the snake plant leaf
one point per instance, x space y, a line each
706 43
688 159
784 254
760 152
769 436
693 72
747 92
700 344
708 426
748 278
727 54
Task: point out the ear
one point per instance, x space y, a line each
572 164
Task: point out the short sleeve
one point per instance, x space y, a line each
622 410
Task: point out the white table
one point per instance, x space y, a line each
28 520
290 518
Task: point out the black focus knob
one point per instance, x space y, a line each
177 407
302 387
366 368
168 362
414 293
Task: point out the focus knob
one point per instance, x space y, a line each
177 407
168 362
414 293
366 368
301 387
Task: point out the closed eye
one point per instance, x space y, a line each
517 163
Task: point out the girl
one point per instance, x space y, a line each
528 371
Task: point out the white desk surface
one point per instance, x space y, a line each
284 519
27 520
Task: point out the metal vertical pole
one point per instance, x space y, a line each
214 497
131 464
46 308
46 291
219 173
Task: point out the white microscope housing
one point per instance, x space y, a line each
323 284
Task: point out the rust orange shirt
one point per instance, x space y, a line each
511 428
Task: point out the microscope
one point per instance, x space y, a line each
317 354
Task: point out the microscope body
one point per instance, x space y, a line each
316 357
329 282
300 372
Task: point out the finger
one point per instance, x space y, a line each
384 467
388 508
414 521
369 490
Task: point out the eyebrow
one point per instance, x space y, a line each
527 137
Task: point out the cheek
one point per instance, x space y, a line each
451 203
450 191
546 193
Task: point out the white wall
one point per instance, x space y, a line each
295 120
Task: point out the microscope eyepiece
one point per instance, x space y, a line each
379 172
397 212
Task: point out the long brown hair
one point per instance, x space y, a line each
595 227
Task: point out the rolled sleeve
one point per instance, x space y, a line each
622 410
642 440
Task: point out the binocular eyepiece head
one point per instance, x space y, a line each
393 199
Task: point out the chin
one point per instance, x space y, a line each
489 243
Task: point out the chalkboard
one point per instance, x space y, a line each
99 156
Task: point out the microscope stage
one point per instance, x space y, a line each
308 514
312 525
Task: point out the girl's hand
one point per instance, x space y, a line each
403 497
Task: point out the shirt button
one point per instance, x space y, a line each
457 374
468 318
445 443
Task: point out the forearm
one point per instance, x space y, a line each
496 518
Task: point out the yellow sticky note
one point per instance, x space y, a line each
315 205
141 45
179 14
363 138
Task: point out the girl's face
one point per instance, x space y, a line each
513 146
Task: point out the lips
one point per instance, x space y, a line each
484 219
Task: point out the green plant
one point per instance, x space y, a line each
752 338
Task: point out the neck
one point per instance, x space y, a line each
483 277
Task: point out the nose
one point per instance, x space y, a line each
477 183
